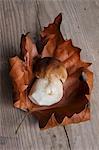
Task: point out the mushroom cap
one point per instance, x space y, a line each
49 66
48 87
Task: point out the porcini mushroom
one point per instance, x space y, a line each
48 87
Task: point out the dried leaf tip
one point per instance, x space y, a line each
58 20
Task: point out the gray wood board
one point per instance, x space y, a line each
81 24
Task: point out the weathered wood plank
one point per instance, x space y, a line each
17 17
81 23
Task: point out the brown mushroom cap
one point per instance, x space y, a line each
49 66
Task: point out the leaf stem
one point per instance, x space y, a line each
16 131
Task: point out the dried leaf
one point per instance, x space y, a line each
76 89
28 49
51 37
21 72
74 105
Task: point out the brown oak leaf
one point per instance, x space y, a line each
21 72
74 105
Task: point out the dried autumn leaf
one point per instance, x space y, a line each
52 36
21 72
74 105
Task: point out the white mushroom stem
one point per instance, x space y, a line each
46 92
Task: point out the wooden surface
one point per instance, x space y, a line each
81 24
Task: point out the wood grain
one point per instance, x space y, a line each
16 17
81 24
